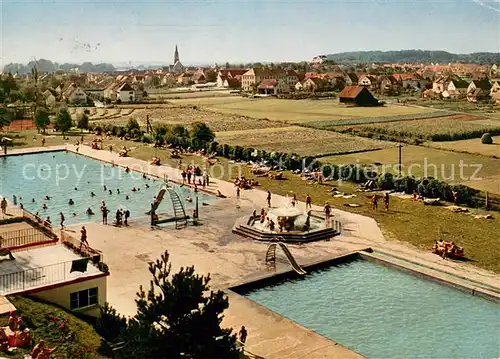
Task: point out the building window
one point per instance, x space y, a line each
83 298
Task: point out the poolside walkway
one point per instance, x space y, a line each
231 259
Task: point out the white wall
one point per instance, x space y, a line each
61 295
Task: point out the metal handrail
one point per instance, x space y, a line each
34 277
21 237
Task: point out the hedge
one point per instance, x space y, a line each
427 187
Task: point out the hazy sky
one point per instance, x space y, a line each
210 31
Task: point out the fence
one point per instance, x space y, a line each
35 277
85 251
24 237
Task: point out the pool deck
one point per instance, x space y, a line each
231 259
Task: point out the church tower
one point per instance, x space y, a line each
176 55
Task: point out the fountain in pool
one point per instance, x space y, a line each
290 225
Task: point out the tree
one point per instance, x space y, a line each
5 117
486 139
63 121
177 318
82 122
200 132
42 119
132 124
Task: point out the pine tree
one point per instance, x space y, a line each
177 318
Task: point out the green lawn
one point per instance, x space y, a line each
301 140
423 161
37 314
296 111
407 221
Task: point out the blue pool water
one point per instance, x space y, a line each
381 312
56 174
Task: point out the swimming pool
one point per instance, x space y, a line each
382 312
64 175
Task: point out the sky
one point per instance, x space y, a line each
216 31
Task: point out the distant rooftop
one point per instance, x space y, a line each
39 267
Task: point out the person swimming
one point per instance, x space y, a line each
33 200
90 212
147 186
189 199
76 189
105 188
47 198
44 206
118 190
71 202
134 189
110 192
74 214
92 194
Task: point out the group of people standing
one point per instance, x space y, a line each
191 172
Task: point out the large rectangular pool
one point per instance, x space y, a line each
64 175
381 312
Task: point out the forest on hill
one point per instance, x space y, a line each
424 56
48 66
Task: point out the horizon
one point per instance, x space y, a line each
122 32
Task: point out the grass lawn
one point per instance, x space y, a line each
36 316
407 221
417 159
296 111
173 115
300 140
470 146
424 129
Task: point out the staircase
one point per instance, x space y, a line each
179 212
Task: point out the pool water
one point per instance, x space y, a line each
381 312
57 174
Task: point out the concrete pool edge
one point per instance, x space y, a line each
66 148
460 283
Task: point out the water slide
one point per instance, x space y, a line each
293 263
158 200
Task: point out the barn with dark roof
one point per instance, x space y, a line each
357 95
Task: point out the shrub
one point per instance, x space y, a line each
486 139
386 181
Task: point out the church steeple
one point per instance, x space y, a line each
176 55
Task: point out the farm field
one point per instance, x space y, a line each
300 140
170 114
296 111
470 146
434 129
422 161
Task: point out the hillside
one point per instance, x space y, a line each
49 66
425 56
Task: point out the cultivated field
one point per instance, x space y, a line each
170 114
434 129
296 111
470 146
422 161
300 140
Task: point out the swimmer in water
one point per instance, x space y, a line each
147 186
92 194
90 212
70 202
110 192
126 197
76 189
134 189
33 200
47 198
118 191
105 188
44 206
